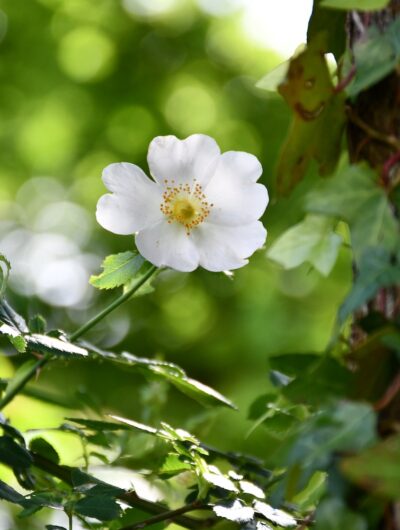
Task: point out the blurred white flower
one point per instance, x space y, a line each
201 209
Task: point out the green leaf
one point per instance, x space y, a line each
377 469
234 511
9 494
200 392
44 448
14 336
274 78
332 514
100 507
377 269
5 268
375 56
173 465
56 346
293 364
12 318
332 24
13 454
170 372
312 241
354 196
54 527
342 426
99 426
318 117
118 269
274 515
359 5
37 324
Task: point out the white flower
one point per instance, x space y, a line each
201 209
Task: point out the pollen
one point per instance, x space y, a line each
185 204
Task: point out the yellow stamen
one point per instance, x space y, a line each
185 204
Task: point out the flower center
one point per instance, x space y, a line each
185 204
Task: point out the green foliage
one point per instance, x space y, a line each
324 427
375 57
118 270
312 241
377 468
318 116
354 195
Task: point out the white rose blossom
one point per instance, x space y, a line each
202 208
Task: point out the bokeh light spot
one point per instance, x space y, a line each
87 54
131 129
191 108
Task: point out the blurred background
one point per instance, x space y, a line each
84 83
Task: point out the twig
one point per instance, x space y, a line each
343 83
131 498
390 140
389 395
170 515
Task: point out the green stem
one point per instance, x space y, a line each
78 333
117 302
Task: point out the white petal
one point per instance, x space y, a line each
135 202
183 160
236 197
227 247
168 245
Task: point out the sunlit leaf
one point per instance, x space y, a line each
234 511
318 117
118 269
312 241
274 515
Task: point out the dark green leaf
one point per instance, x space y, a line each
332 514
53 527
44 448
354 195
293 364
100 507
377 269
118 269
9 494
377 469
13 454
376 55
100 426
332 24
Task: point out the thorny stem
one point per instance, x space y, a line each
78 333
